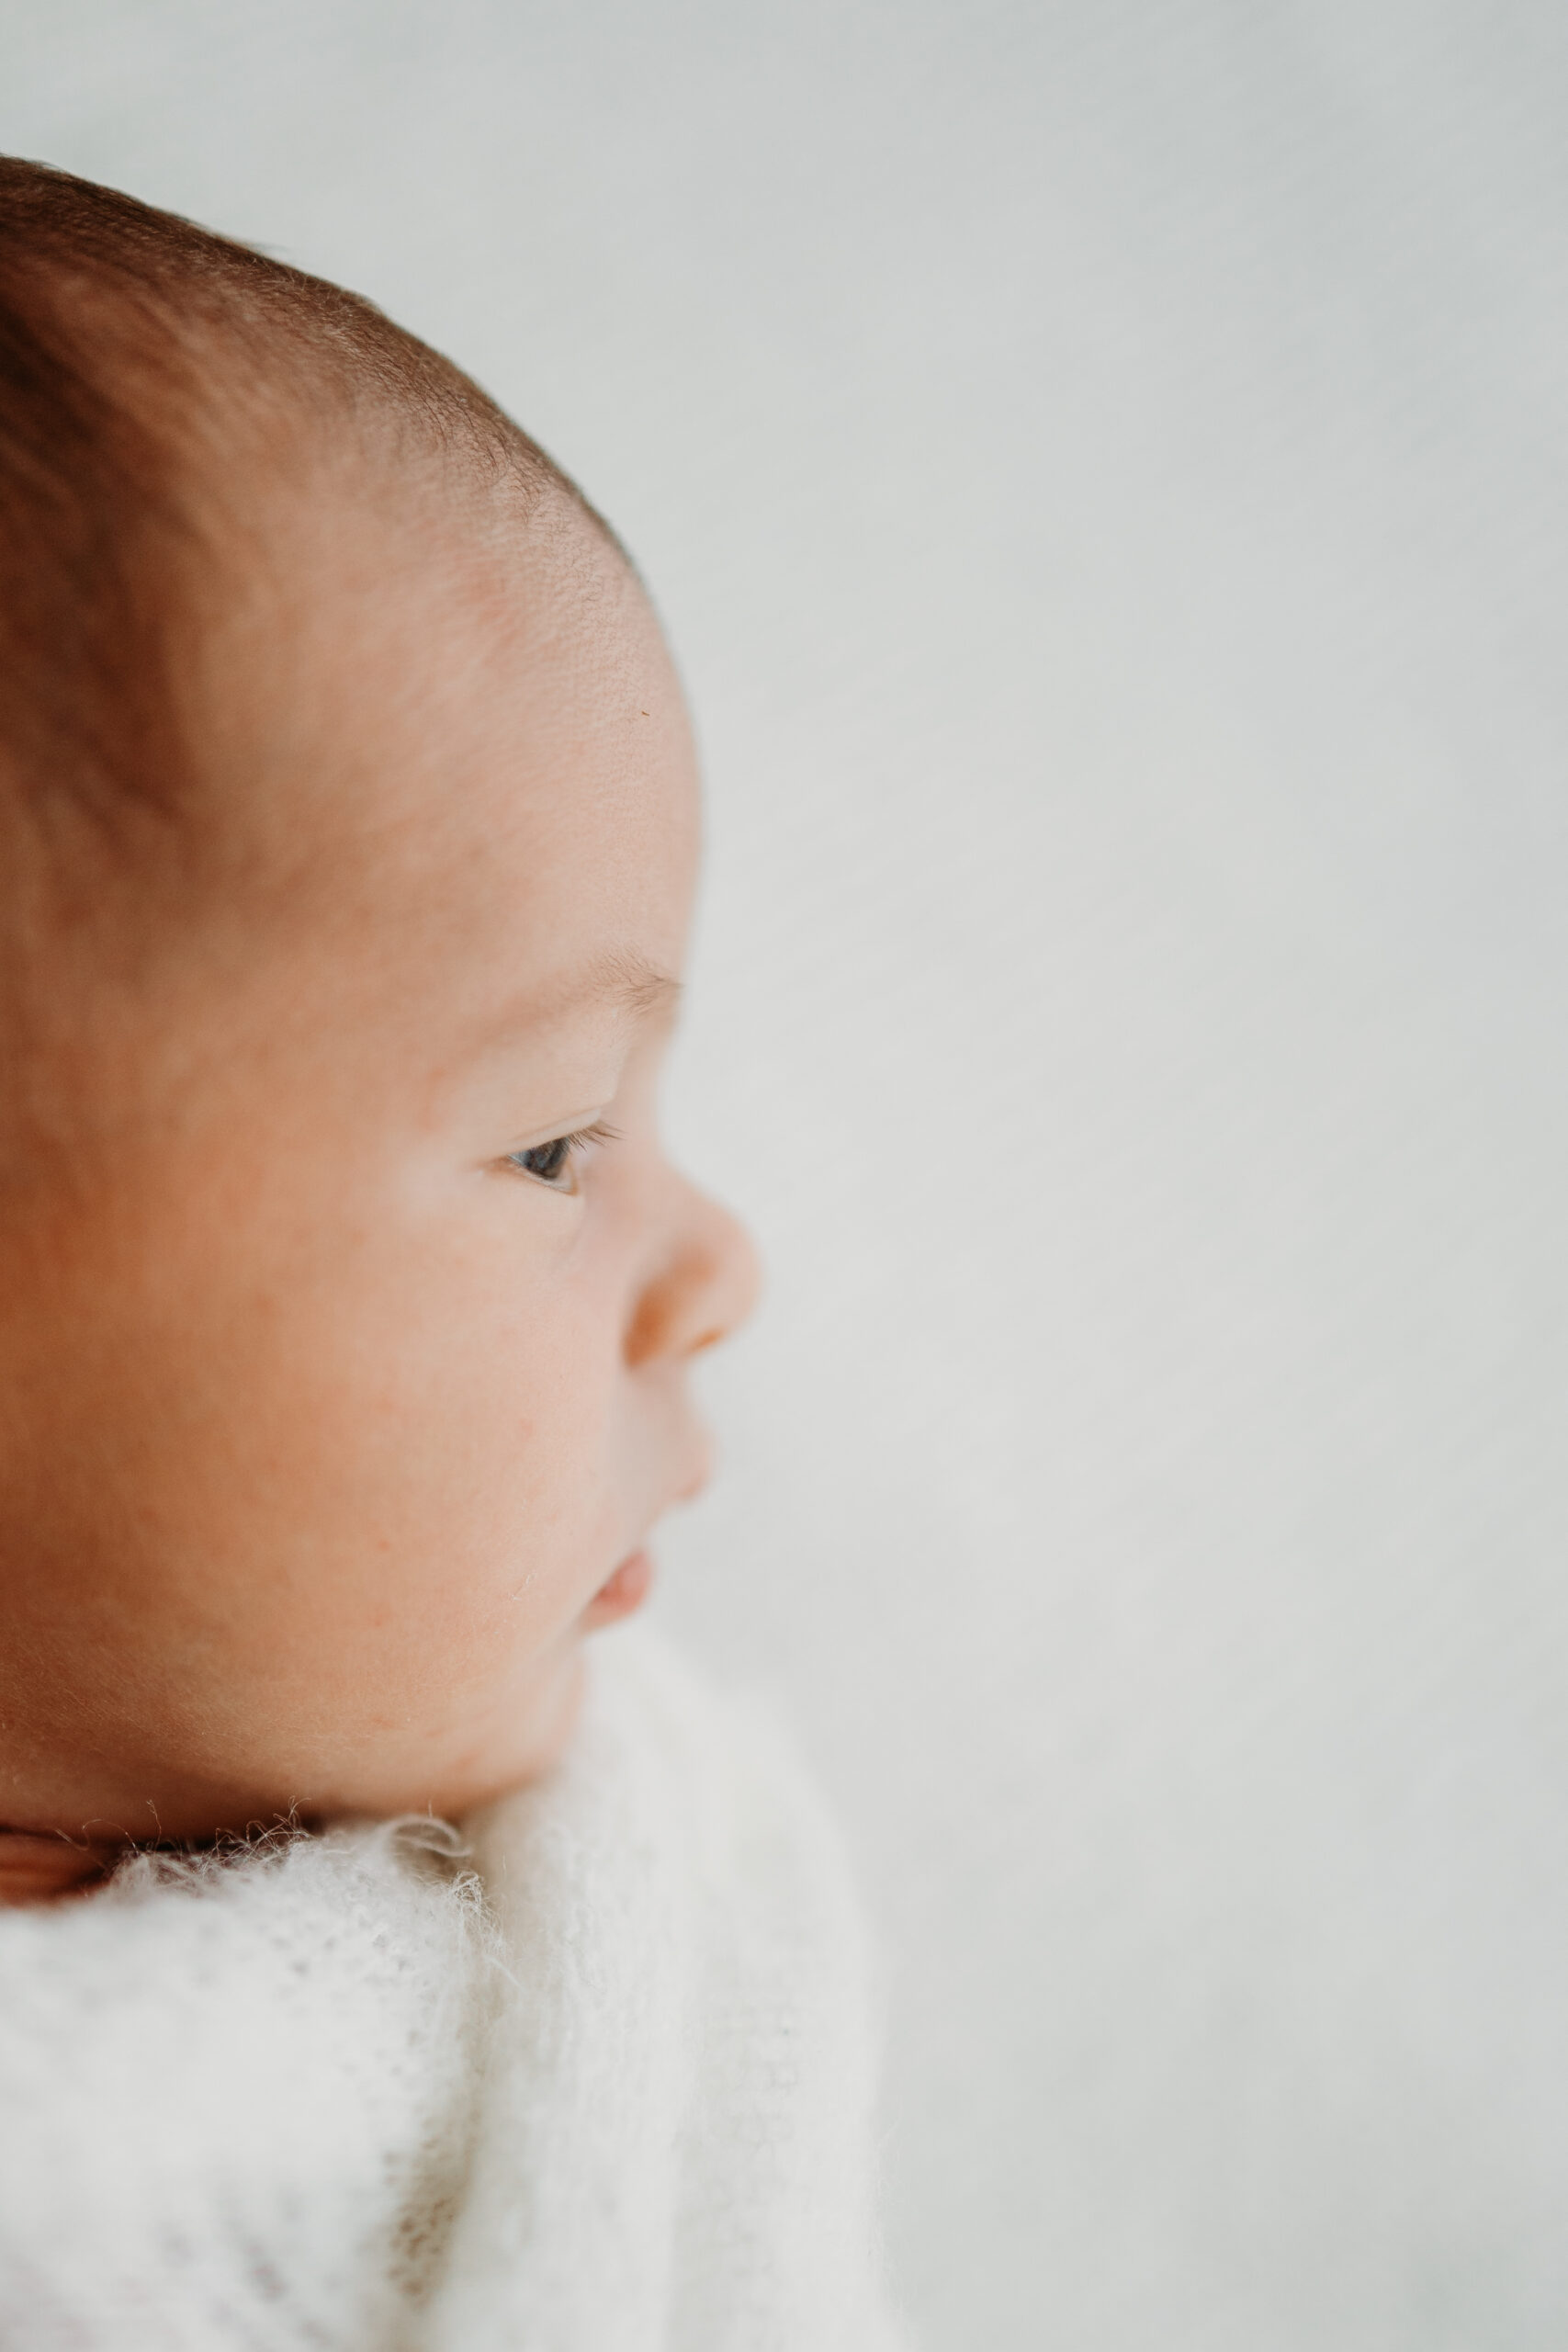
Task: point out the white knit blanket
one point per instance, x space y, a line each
602 2084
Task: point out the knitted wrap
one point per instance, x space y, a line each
593 2075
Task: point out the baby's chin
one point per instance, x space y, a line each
529 1734
525 1750
527 1730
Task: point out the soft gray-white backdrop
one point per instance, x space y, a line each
1103 468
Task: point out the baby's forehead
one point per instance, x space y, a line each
456 692
387 643
172 402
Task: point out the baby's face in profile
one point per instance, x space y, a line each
346 1344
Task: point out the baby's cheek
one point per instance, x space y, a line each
500 1434
389 1493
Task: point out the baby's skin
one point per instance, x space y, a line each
344 1332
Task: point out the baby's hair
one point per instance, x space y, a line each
146 364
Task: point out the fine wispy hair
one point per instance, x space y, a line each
150 373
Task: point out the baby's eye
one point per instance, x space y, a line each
555 1164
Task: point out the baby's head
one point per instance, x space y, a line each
348 827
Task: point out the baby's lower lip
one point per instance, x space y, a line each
623 1592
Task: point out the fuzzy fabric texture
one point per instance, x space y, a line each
594 2077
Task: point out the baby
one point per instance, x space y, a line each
348 820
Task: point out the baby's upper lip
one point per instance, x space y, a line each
686 1489
699 1474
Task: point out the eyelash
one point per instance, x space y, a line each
566 1148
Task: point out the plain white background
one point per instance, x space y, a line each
1103 469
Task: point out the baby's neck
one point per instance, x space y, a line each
42 1868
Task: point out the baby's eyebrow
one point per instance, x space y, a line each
630 983
621 981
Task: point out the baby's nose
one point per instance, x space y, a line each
704 1287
